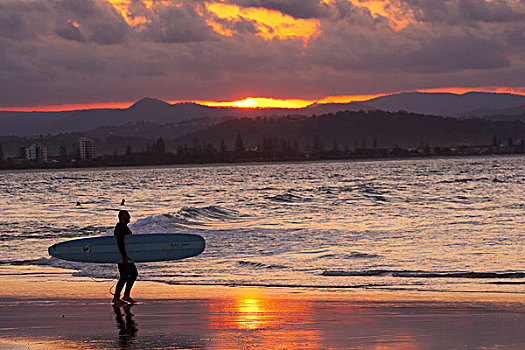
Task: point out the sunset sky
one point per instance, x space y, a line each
57 54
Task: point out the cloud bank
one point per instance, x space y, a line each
63 51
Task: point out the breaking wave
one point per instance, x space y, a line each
211 212
181 220
288 198
260 265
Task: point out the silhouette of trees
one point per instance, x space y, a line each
335 147
274 148
62 152
159 147
317 147
222 147
21 152
239 144
348 135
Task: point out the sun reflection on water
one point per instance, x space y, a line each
264 323
251 312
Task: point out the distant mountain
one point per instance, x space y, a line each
147 109
323 108
29 123
151 110
446 104
514 113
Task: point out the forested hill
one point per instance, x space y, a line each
384 129
346 130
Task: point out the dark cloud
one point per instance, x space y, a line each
21 20
70 32
11 25
294 8
449 54
97 19
458 11
493 11
175 24
516 37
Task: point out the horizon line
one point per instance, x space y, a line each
250 102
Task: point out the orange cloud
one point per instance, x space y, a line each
398 16
122 6
270 24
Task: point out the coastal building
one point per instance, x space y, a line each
37 153
87 148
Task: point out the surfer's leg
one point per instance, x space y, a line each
124 275
132 277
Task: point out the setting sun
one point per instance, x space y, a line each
249 102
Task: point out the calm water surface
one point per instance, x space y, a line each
433 224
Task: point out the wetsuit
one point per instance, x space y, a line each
128 272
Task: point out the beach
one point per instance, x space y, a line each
56 313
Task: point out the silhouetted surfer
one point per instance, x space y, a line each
128 271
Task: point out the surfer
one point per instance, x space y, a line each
128 271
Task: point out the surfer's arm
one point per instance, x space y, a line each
120 233
121 246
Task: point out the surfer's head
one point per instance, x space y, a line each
123 216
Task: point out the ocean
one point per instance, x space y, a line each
437 225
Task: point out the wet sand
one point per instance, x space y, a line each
48 312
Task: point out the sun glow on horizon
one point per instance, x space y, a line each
259 102
264 102
69 107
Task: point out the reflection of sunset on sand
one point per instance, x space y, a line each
253 313
263 323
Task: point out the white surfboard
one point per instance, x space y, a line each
140 248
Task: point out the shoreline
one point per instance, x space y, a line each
259 163
41 283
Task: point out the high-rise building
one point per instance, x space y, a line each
87 148
36 152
